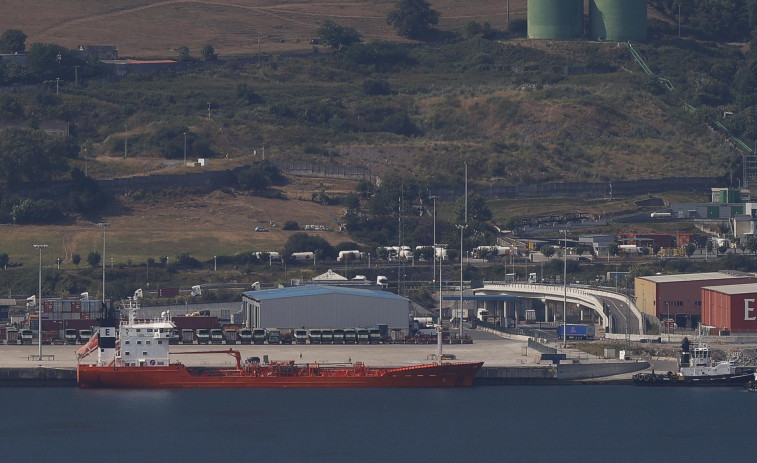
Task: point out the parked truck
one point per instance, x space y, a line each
11 336
203 335
576 331
327 337
300 336
350 336
175 337
231 336
245 336
84 336
187 336
258 336
374 336
69 336
338 336
274 336
25 336
314 336
363 337
216 336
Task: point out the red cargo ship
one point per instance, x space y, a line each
139 359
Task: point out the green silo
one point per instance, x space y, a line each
555 19
618 20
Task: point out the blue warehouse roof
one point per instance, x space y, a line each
318 290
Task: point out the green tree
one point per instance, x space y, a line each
184 54
689 249
613 249
548 250
76 259
12 41
478 211
93 259
302 242
336 36
413 18
208 52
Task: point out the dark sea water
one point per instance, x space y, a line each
481 424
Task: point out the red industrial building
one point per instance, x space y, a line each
731 308
678 297
662 240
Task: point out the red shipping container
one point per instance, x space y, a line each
168 292
75 306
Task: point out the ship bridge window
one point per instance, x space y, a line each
126 342
139 330
149 330
147 342
159 342
127 353
139 342
144 353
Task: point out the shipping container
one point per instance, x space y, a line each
168 292
196 322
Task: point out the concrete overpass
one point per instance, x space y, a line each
621 315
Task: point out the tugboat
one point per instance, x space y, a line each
751 386
697 368
139 358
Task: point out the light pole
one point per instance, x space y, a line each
185 146
667 322
433 274
462 230
565 292
40 247
104 226
679 20
215 264
126 141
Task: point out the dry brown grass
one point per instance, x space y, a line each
150 28
204 225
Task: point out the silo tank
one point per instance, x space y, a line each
618 20
555 19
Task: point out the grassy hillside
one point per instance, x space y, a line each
155 28
397 107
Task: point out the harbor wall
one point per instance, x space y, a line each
37 376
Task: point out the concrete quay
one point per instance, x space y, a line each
506 361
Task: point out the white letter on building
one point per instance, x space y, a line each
748 309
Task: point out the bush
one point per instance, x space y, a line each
290 225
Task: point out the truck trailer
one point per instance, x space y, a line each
577 331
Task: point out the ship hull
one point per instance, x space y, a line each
181 376
732 380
